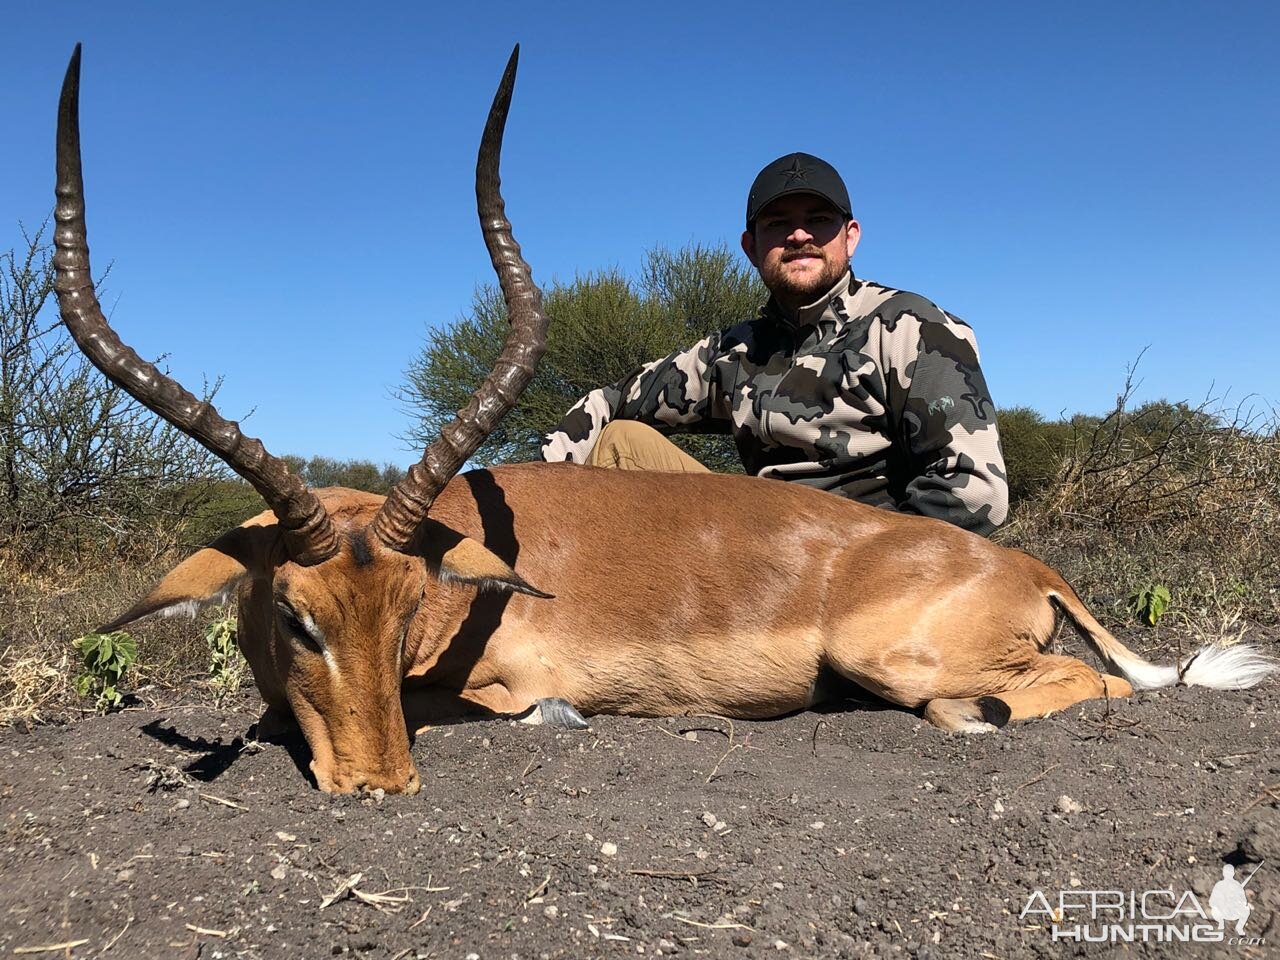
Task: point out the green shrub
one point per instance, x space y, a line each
226 665
1150 603
606 326
106 657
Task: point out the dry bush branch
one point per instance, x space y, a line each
1187 496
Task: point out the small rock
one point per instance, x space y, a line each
124 876
551 912
742 939
286 837
998 807
609 849
181 803
279 872
1066 806
667 946
781 945
817 825
691 735
709 819
1260 839
379 794
860 907
184 851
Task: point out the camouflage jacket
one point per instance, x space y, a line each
874 394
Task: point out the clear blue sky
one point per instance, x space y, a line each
284 190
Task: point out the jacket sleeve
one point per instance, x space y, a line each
678 392
948 463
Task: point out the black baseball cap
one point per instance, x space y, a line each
797 173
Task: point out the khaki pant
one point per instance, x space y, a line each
628 445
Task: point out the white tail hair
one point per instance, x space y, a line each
1237 667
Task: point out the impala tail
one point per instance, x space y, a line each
1236 667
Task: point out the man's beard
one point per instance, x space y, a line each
802 290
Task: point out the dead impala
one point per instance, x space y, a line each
364 617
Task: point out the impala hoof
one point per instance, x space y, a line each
554 712
979 715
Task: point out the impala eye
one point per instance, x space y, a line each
294 626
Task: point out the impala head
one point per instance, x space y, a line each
328 581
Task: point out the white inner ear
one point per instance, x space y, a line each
190 606
480 582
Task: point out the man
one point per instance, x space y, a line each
1228 900
838 383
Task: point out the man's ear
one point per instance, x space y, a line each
211 574
458 559
853 233
749 246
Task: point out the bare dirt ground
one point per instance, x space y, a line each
165 831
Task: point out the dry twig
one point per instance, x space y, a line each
1036 779
692 876
710 926
1270 791
128 920
813 746
341 890
226 803
732 746
209 932
540 889
52 947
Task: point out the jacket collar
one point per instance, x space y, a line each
813 312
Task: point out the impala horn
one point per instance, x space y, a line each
407 505
308 532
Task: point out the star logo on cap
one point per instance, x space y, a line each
796 173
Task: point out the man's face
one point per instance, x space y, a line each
801 245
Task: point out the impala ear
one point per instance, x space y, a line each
210 575
468 561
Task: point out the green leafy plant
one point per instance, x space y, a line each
1150 603
226 665
107 657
